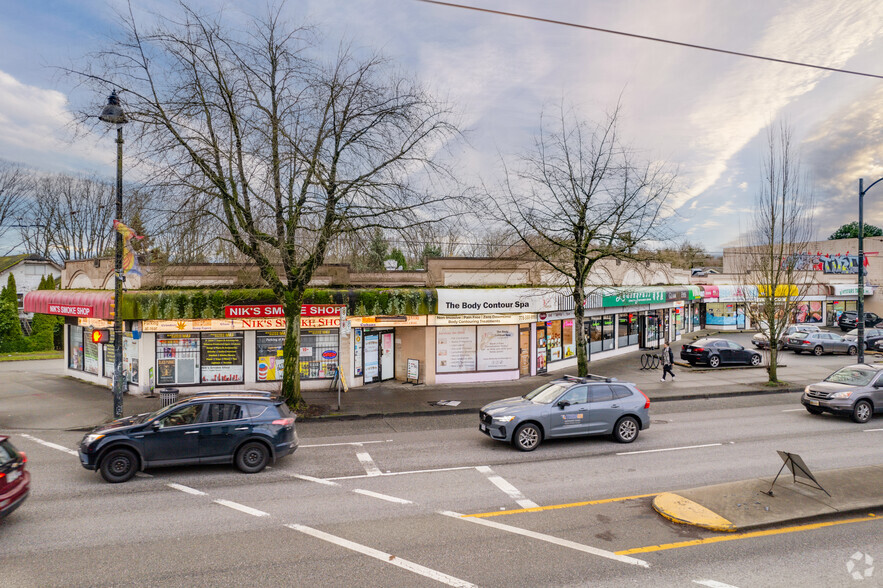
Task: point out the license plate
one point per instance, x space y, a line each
482 428
13 476
813 402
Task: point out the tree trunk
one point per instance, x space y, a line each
291 350
582 359
774 360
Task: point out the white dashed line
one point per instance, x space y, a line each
549 539
713 584
242 508
360 476
186 489
357 443
381 556
312 479
386 497
52 445
872 430
370 467
669 449
506 487
789 410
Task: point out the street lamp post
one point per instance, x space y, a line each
861 268
113 114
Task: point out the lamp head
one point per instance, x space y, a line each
113 112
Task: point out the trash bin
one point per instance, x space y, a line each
168 396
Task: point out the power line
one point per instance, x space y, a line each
655 39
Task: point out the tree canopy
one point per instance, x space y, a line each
850 231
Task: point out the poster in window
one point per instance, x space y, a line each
270 361
455 349
497 347
372 357
222 357
357 352
91 357
130 357
567 336
165 369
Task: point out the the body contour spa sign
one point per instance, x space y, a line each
497 300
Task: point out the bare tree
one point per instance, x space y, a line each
13 184
579 197
771 253
292 150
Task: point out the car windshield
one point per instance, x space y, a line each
7 453
853 376
853 332
547 393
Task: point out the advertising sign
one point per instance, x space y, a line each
494 300
222 357
497 348
632 297
455 349
316 322
275 310
69 310
268 345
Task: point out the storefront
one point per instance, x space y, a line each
726 307
842 298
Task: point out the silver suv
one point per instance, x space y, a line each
855 390
568 407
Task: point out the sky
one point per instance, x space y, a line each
705 113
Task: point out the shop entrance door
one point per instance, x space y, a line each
524 350
541 348
379 362
387 355
650 334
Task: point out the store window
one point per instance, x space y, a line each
455 349
497 348
553 345
627 331
833 310
75 347
91 356
725 314
221 355
568 338
608 335
809 312
270 363
357 352
594 328
130 357
318 354
177 358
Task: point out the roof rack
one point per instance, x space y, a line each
588 377
234 392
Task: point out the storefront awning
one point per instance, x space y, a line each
78 303
851 290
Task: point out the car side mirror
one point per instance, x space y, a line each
563 403
878 384
155 425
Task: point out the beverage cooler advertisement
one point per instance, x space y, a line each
269 352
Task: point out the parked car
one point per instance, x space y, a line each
15 480
820 343
568 407
855 390
849 320
872 336
761 341
250 429
716 352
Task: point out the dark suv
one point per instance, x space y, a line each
250 429
849 320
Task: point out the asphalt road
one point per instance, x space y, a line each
376 503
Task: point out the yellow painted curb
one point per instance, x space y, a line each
683 510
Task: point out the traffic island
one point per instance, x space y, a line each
743 505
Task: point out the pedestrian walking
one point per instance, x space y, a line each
668 359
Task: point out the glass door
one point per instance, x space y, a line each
387 355
541 348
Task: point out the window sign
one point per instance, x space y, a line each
75 348
497 347
357 352
222 357
372 357
567 338
177 358
91 356
130 357
553 340
321 358
268 345
455 349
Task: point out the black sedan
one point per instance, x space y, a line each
716 352
250 430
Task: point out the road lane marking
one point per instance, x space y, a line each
557 506
312 479
241 508
403 473
381 556
358 443
52 445
186 489
506 487
370 467
549 539
789 410
713 584
872 430
749 535
386 497
670 449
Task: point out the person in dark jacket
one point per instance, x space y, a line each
668 360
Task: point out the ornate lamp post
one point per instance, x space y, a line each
113 114
861 268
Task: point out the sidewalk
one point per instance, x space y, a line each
743 505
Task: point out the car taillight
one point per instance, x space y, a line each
807 343
699 349
24 457
647 398
284 422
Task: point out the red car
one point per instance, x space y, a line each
15 481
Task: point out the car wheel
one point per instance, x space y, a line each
714 361
755 360
626 429
119 465
252 457
852 350
527 437
814 410
862 411
817 350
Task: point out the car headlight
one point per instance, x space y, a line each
841 395
90 439
806 390
503 419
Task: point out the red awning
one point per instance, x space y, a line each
78 303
